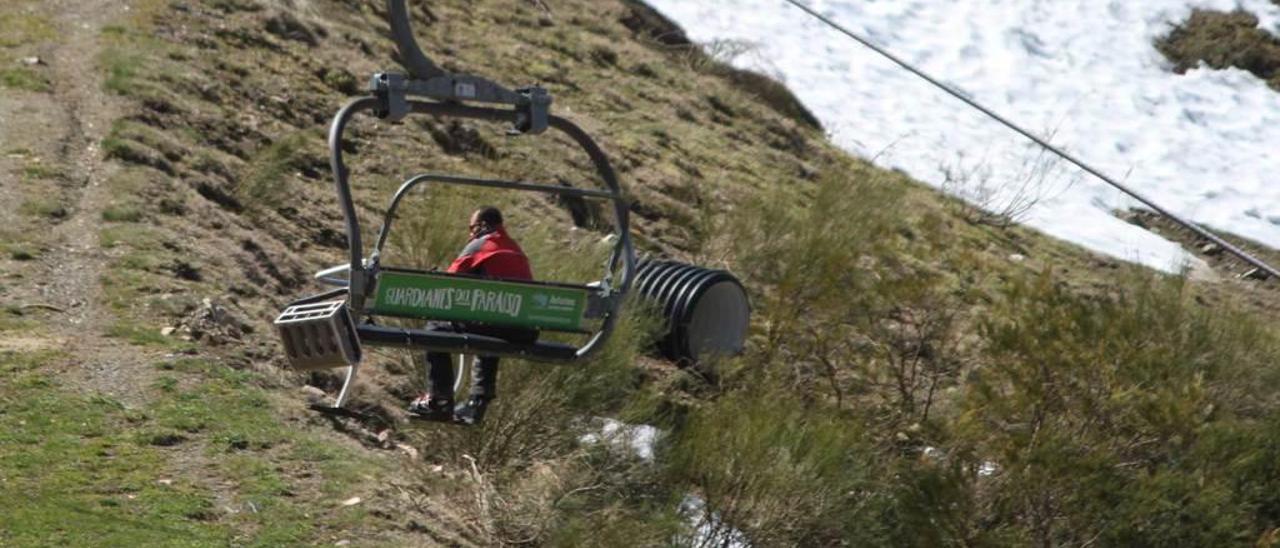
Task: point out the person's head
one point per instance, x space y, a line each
485 220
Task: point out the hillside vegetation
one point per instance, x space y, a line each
913 377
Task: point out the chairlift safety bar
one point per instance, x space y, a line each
478 182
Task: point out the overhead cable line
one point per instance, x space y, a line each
1243 255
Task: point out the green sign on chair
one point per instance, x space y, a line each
494 302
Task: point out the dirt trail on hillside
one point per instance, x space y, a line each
66 132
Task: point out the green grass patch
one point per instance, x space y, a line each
122 70
24 29
130 182
132 235
19 251
133 63
90 470
138 334
13 319
24 79
139 144
49 207
267 182
21 244
138 288
138 65
74 478
41 172
122 213
13 363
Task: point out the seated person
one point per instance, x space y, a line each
491 253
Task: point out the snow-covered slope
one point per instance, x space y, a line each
1205 144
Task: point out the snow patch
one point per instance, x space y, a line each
708 528
636 439
1085 71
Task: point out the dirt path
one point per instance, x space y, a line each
63 130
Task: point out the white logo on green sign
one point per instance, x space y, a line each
447 298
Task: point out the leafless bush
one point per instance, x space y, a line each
916 355
986 197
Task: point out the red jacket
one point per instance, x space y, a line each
495 255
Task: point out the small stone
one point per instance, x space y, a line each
352 501
168 331
1017 257
408 450
165 481
32 61
1255 274
342 543
1211 249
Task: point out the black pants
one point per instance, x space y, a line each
484 376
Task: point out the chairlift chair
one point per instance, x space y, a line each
328 330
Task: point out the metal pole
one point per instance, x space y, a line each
1243 255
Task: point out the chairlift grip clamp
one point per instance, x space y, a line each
392 90
533 110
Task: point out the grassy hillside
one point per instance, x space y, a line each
914 376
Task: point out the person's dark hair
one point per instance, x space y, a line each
489 215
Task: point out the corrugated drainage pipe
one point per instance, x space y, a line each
707 311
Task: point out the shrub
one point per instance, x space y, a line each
781 472
807 250
266 184
1091 407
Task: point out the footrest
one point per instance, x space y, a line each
340 412
413 418
319 336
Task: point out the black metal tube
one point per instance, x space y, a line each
680 293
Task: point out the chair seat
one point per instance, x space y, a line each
464 343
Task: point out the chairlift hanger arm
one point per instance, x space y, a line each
402 32
426 79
